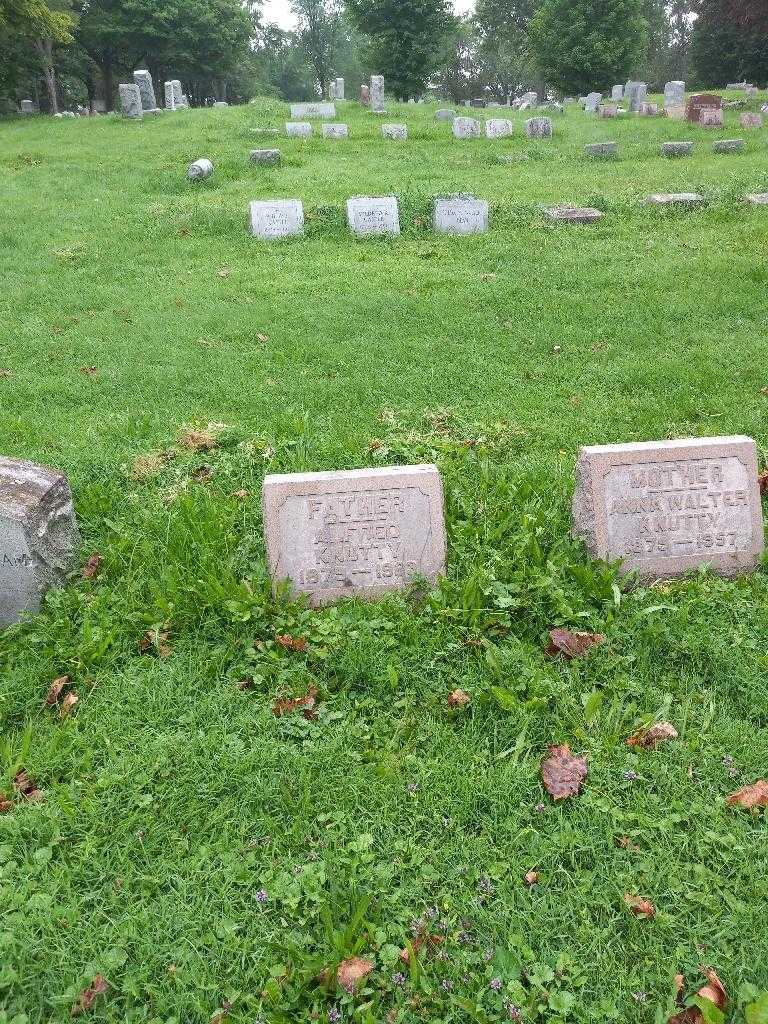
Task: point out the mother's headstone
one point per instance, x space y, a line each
38 535
360 533
666 507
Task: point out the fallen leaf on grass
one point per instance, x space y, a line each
570 644
203 474
145 466
714 992
6 805
54 690
562 772
224 272
292 643
458 699
198 440
25 787
92 567
219 1017
90 371
626 844
87 997
262 337
422 939
640 906
762 481
307 704
750 797
5 373
156 641
68 704
352 971
532 877
651 737
242 494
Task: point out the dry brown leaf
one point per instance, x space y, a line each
90 371
422 939
155 641
352 971
307 704
458 699
650 738
571 644
6 805
750 797
626 844
5 373
242 493
292 643
225 272
92 567
640 906
762 481
203 474
87 997
262 337
198 440
562 772
54 690
145 466
532 877
68 703
714 991
25 787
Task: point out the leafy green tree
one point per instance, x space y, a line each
319 32
40 26
504 53
588 44
730 43
408 39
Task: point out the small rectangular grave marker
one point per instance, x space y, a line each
202 168
266 157
354 534
617 92
602 150
399 132
445 115
38 535
573 214
335 131
466 128
728 146
373 215
538 128
675 149
276 218
675 199
757 198
28 107
298 129
751 120
460 215
498 128
303 111
607 110
666 507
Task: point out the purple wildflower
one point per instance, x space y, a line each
446 984
262 896
631 776
398 978
412 787
513 1012
540 808
496 984
334 1015
488 955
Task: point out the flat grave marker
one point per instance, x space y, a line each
335 131
276 218
373 215
266 157
460 215
303 111
397 132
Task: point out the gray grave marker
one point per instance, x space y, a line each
460 215
130 101
373 215
276 218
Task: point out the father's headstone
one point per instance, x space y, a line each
378 215
466 128
200 169
377 94
674 94
538 127
498 128
144 81
298 129
360 533
302 111
38 535
130 101
666 507
460 215
276 218
701 101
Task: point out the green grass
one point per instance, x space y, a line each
171 796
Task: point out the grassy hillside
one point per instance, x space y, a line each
206 856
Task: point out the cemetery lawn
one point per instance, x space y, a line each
208 857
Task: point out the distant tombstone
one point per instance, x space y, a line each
276 218
591 102
365 95
751 92
751 120
200 169
635 94
667 507
170 96
676 149
573 214
675 199
377 94
178 95
711 118
617 92
466 128
445 115
675 113
298 129
498 128
373 215
360 533
331 92
649 110
674 94
399 132
736 85
185 101
607 110
460 215
220 103
130 101
728 146
335 131
531 98
28 107
266 157
701 101
303 111
38 536
144 81
602 150
538 128
477 102
757 198
339 88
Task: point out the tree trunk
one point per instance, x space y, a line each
44 48
108 74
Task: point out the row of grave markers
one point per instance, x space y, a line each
138 99
662 508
